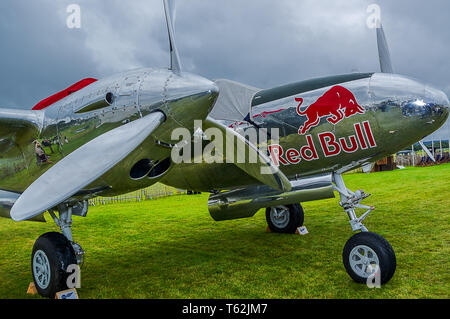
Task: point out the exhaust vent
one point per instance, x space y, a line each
141 169
160 168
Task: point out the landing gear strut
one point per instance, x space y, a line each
365 254
54 252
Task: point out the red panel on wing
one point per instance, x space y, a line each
60 95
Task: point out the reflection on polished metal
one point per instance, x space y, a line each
243 203
59 183
59 131
398 112
262 169
97 104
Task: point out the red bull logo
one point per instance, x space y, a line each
336 104
330 146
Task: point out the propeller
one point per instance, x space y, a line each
383 51
169 9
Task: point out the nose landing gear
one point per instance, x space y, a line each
365 254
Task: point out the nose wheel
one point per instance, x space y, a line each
368 254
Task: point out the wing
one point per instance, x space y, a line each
83 166
263 170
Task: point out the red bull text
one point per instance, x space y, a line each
363 139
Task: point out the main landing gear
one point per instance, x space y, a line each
365 254
53 252
285 219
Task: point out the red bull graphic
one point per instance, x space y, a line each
336 104
331 146
263 114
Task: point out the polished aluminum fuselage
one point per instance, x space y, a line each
388 99
137 93
395 124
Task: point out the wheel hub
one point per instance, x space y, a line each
41 269
279 216
363 260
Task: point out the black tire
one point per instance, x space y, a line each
295 220
383 250
59 253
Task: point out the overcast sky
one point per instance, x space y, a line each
263 43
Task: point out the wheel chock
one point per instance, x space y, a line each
31 289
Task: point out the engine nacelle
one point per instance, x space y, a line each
7 200
245 202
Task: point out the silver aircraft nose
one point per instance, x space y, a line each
432 109
191 98
439 106
407 109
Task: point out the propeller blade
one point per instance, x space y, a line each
427 151
83 166
383 51
169 9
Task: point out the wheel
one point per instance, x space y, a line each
52 254
363 252
285 219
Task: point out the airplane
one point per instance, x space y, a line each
116 135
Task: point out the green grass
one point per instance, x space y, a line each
171 248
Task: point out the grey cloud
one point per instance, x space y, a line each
262 43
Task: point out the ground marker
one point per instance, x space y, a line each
302 231
67 294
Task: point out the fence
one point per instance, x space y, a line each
152 192
421 160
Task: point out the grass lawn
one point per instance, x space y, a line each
171 248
